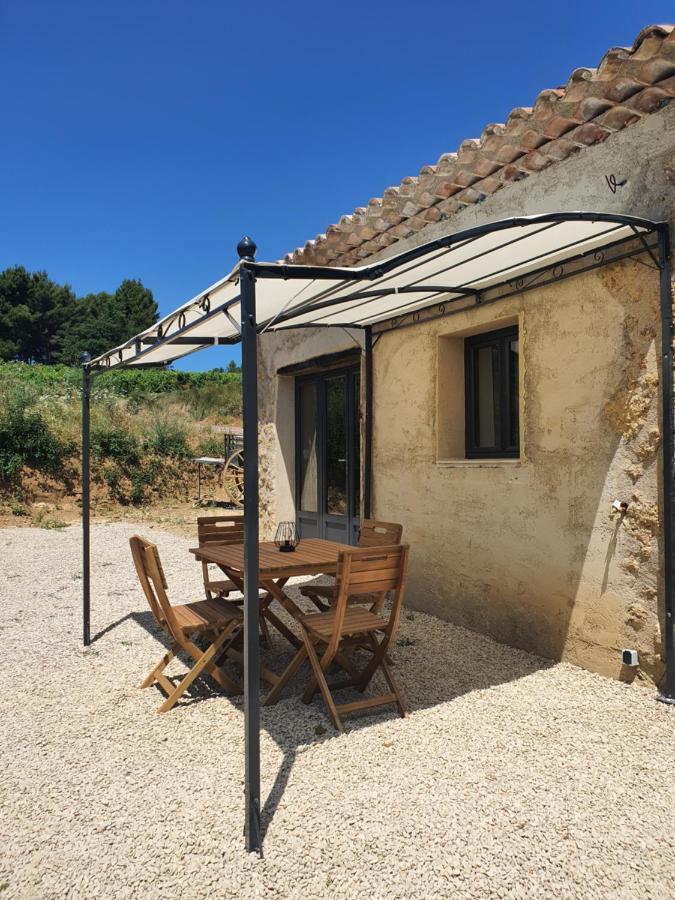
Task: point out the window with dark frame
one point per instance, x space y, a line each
491 402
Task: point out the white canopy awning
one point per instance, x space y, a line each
451 268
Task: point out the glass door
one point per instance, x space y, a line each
327 455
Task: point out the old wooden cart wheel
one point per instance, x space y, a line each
233 477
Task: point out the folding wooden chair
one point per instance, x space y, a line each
329 633
215 619
224 530
372 533
218 530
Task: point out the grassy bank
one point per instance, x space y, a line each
145 427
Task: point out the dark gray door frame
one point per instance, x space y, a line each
352 405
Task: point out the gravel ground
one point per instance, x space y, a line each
513 777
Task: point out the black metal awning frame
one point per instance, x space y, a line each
651 242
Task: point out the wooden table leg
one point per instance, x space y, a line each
273 592
281 627
275 588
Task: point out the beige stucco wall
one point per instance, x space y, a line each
529 551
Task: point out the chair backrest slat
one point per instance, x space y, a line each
153 581
220 530
374 533
371 569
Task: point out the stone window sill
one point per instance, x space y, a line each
478 463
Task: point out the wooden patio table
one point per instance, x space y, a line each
312 556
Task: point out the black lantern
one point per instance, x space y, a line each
286 537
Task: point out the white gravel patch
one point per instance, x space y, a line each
512 777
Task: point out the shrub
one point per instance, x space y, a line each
113 475
139 481
17 508
221 400
42 520
135 383
26 440
116 444
137 494
168 439
53 524
146 423
139 383
211 445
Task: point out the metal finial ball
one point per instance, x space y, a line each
246 248
86 357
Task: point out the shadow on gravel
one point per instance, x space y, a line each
201 689
434 663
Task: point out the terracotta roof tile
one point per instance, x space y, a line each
629 83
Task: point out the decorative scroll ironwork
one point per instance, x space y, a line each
548 275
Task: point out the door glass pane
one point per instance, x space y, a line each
309 492
356 418
514 435
487 376
336 447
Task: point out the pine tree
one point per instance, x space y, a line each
44 322
33 309
136 304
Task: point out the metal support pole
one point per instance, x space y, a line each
86 554
368 422
667 694
249 339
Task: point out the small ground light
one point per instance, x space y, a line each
629 657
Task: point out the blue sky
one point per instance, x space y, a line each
143 139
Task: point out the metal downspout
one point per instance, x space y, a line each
249 340
667 692
368 422
86 552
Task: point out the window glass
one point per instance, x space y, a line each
336 446
309 493
514 426
487 377
491 382
356 406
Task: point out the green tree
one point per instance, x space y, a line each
89 326
100 321
136 305
33 309
44 322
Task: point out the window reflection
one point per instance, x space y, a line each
336 447
309 493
